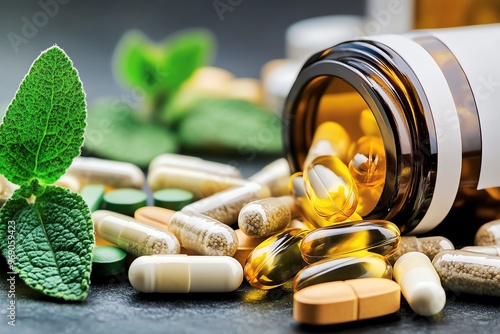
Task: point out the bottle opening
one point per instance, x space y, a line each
344 126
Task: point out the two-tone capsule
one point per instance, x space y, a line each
182 273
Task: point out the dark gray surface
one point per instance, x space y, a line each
249 36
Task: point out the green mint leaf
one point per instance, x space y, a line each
114 132
186 52
232 125
43 127
134 61
49 242
160 68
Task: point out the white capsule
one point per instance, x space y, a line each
114 173
183 273
420 283
132 236
200 183
275 176
193 163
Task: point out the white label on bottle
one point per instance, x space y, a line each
477 49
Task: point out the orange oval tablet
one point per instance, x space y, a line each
344 301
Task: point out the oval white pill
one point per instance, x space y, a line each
420 283
183 273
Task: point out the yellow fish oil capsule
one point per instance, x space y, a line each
330 188
343 268
264 217
330 138
302 202
488 234
376 236
117 174
276 260
200 183
225 206
468 272
193 163
430 246
368 165
368 123
420 283
183 273
275 176
197 233
132 236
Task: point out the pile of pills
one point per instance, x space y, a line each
209 229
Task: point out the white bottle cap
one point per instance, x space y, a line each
309 36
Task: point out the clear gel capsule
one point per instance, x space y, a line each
330 138
183 273
297 190
275 176
276 260
132 236
193 163
487 250
376 236
430 246
225 206
343 268
368 123
368 198
467 272
368 164
113 173
488 234
197 233
330 188
420 284
264 217
200 183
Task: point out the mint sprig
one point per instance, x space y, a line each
51 242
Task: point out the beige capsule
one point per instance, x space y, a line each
275 176
6 189
430 246
132 236
193 163
488 234
182 274
225 206
487 250
197 233
113 173
200 183
264 217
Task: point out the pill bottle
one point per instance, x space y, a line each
435 98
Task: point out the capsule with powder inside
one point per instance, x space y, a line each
264 217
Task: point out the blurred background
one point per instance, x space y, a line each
248 35
251 40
